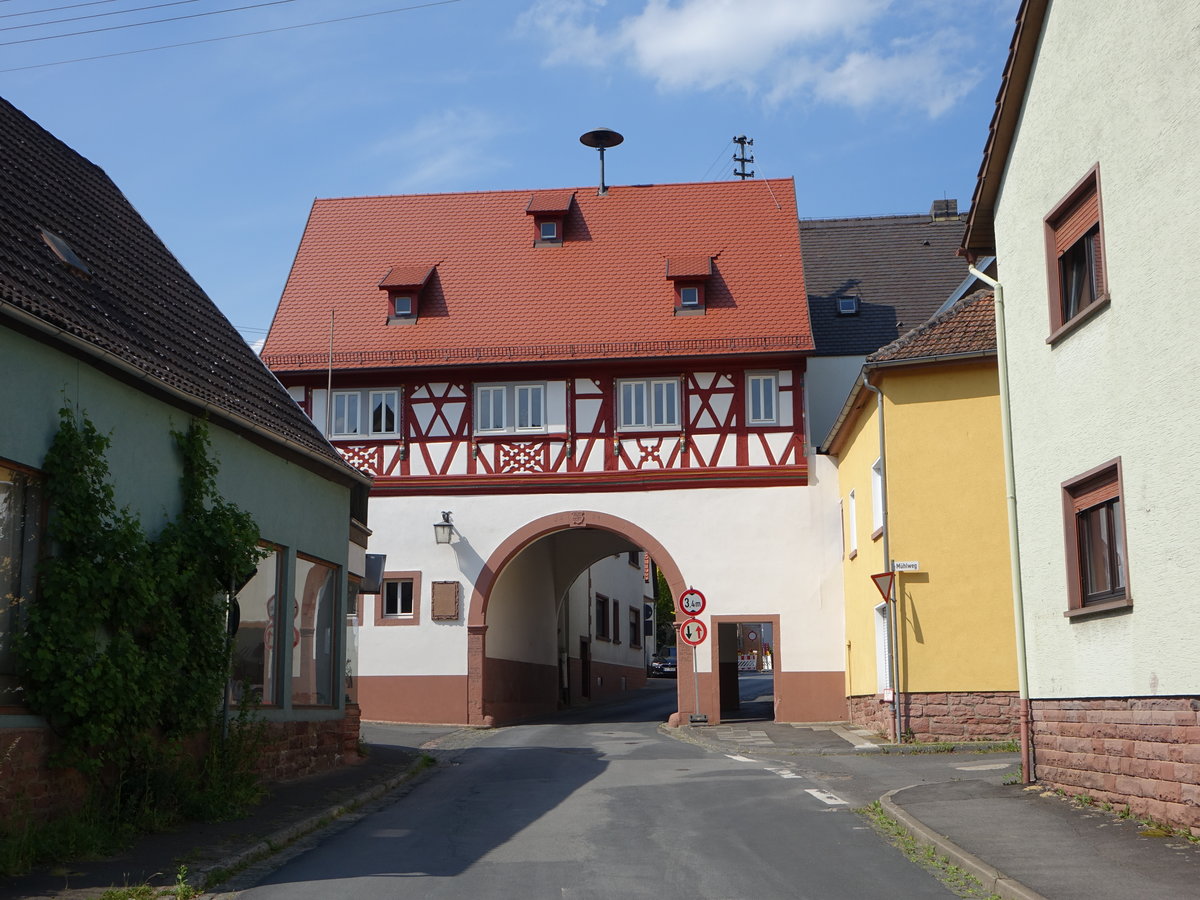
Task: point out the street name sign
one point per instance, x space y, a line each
912 566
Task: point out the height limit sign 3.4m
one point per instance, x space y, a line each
692 602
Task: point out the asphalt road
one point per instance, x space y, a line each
604 806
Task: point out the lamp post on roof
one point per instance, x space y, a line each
601 139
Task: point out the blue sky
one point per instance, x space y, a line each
874 107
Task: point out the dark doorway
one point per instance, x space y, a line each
745 679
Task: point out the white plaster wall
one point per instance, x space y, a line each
752 551
1115 83
827 383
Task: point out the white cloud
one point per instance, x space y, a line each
858 53
447 150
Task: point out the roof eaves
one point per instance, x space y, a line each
979 236
328 461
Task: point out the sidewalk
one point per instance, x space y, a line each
289 812
1021 842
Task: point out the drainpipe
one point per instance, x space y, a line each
1013 544
893 630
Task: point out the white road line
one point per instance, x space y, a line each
826 797
984 767
784 773
739 758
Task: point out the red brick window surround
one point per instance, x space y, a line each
1094 535
1076 280
399 602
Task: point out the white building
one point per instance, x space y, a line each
1089 184
570 375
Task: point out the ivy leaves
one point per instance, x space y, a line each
126 640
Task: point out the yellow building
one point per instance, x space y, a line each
925 492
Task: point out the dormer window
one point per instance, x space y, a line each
689 275
549 210
404 285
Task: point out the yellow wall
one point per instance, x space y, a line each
854 474
946 509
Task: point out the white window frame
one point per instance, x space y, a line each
689 291
653 415
760 386
483 400
552 226
354 404
877 495
511 397
535 395
407 300
883 649
852 525
412 598
395 395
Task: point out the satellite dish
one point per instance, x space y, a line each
601 139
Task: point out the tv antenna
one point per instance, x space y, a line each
601 139
741 158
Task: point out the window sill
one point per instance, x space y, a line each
689 310
1101 303
402 320
853 554
1098 608
877 533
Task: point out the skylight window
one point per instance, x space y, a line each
847 306
65 253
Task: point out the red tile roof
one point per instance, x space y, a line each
406 276
699 266
968 327
495 297
550 202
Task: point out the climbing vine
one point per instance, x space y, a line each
126 643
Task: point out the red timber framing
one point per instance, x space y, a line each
437 448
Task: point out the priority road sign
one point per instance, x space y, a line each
693 632
692 602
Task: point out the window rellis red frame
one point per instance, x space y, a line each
602 632
1094 536
1076 281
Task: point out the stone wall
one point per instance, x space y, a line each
30 787
949 716
1140 752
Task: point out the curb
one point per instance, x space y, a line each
990 877
277 841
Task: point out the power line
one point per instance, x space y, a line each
720 153
230 37
213 12
113 12
34 12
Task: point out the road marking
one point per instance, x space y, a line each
739 758
984 767
784 773
826 797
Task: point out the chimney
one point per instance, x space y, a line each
943 209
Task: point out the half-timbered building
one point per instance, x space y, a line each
560 376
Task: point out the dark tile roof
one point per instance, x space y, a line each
137 303
968 327
900 267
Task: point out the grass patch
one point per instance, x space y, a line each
957 879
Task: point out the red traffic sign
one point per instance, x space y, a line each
884 581
693 632
692 602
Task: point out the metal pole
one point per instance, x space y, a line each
329 383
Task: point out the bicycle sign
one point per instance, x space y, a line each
692 602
